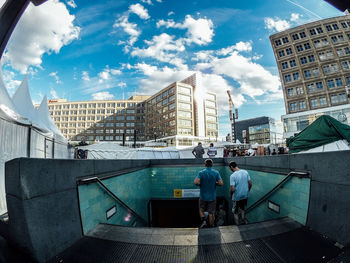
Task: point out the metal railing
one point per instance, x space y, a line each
279 185
101 184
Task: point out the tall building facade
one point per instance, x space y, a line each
314 66
171 115
261 130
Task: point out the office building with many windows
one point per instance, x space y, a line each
314 66
176 115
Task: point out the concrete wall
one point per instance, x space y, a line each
43 204
330 187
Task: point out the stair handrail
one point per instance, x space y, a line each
98 180
275 188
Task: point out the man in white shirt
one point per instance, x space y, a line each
241 184
212 151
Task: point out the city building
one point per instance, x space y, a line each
314 66
261 130
181 114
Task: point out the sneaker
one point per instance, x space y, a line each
203 224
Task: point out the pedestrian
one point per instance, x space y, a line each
273 152
212 151
198 151
208 179
225 153
241 184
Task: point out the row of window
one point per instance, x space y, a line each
318 86
313 31
82 112
93 105
163 95
318 102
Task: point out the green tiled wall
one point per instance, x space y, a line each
137 188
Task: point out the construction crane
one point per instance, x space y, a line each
233 117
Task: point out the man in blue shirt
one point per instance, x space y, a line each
208 179
241 184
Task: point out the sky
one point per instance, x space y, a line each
93 50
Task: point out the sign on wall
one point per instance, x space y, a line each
184 193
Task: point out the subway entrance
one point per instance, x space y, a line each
181 213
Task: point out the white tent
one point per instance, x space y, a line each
25 132
341 145
112 150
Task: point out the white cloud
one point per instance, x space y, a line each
121 84
115 72
240 46
53 94
147 1
102 96
10 80
204 55
276 24
71 3
163 48
171 13
129 28
294 17
107 72
253 79
42 29
199 31
104 75
85 76
56 77
139 10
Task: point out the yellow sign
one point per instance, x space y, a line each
177 192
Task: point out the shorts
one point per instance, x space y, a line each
208 206
240 204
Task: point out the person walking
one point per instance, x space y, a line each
212 151
198 151
208 179
241 184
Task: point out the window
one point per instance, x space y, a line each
290 92
317 43
324 42
345 65
285 40
296 76
295 36
340 52
130 118
334 67
347 50
299 48
315 72
292 63
284 65
312 32
334 99
281 53
278 42
326 69
302 34
293 106
344 25
347 78
330 83
307 46
329 28
341 38
310 87
299 90
342 97
329 54
334 39
323 101
307 73
319 85
289 51
303 60
314 103
335 27
302 105
319 30
339 82
287 78
311 58
301 125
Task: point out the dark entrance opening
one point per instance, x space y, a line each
177 212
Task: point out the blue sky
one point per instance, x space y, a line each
82 50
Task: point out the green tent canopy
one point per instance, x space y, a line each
322 131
